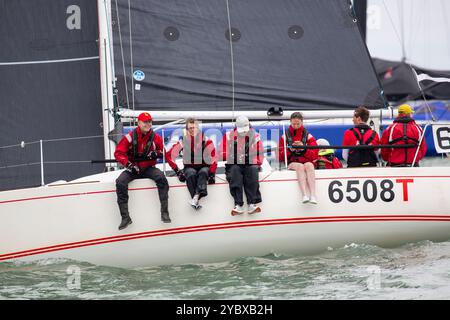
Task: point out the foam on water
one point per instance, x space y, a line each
355 271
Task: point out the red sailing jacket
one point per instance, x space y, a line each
248 149
395 134
359 158
202 154
303 155
124 150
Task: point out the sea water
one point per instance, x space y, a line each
355 271
418 270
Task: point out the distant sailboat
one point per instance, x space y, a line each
414 33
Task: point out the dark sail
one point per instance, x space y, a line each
298 54
400 83
360 8
50 89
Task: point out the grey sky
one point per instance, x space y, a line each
421 27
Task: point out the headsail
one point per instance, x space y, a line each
291 53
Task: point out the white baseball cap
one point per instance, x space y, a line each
242 124
322 142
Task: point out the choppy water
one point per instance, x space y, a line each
356 271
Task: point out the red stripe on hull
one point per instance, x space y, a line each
221 226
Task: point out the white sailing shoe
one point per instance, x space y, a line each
237 210
313 200
305 199
253 208
194 202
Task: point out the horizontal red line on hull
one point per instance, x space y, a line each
243 224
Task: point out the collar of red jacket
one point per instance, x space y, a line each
234 135
198 138
291 130
139 132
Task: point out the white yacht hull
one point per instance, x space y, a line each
79 220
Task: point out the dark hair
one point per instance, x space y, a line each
190 120
363 113
297 115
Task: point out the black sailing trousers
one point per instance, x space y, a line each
244 177
196 180
151 173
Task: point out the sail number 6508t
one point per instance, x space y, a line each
369 190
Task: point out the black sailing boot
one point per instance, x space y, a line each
165 211
126 220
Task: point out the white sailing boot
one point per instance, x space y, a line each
253 208
194 202
237 210
305 199
313 200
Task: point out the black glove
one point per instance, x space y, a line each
153 155
211 178
132 168
181 176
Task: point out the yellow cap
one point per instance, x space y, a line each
405 109
324 152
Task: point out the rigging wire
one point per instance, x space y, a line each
123 58
417 80
232 60
131 57
426 31
110 49
433 119
447 25
393 26
415 25
401 19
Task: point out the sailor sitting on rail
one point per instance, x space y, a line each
298 159
243 150
199 160
138 151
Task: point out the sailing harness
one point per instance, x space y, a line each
362 157
194 157
296 152
134 143
233 145
405 121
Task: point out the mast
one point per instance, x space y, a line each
106 73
